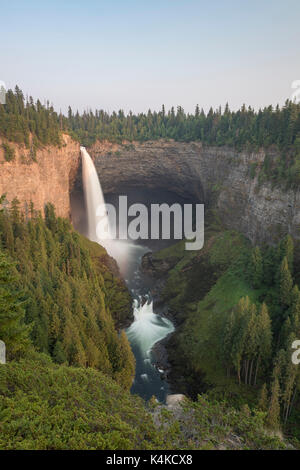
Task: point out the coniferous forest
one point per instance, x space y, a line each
65 385
62 308
149 230
64 300
245 129
236 332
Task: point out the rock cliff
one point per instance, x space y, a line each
215 175
46 178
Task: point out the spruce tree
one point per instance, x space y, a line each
273 417
263 398
285 283
264 339
256 268
227 344
287 249
295 310
13 331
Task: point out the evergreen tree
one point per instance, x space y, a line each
287 250
263 399
70 296
273 416
227 345
264 339
256 268
295 310
13 331
285 283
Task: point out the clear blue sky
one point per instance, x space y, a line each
137 55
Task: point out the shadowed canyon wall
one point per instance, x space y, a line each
47 178
215 175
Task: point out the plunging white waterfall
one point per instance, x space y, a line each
94 199
147 327
97 215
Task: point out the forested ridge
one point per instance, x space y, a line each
239 313
245 127
24 121
66 380
21 119
67 301
66 383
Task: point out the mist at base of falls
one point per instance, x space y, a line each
147 327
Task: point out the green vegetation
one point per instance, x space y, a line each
65 385
238 311
209 424
12 326
48 406
274 129
69 294
27 122
9 153
242 128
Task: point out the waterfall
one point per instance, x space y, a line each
94 199
147 328
96 213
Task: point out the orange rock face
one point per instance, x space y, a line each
48 179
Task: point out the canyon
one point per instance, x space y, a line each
218 176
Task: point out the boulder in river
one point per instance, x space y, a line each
174 399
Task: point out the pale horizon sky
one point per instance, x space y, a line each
135 55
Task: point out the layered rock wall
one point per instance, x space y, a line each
215 175
47 178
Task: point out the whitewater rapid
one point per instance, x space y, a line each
148 328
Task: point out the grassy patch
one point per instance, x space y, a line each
201 290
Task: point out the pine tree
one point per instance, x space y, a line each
270 262
285 283
227 344
264 338
126 368
295 310
287 249
251 342
256 268
241 312
263 399
12 328
58 353
273 417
